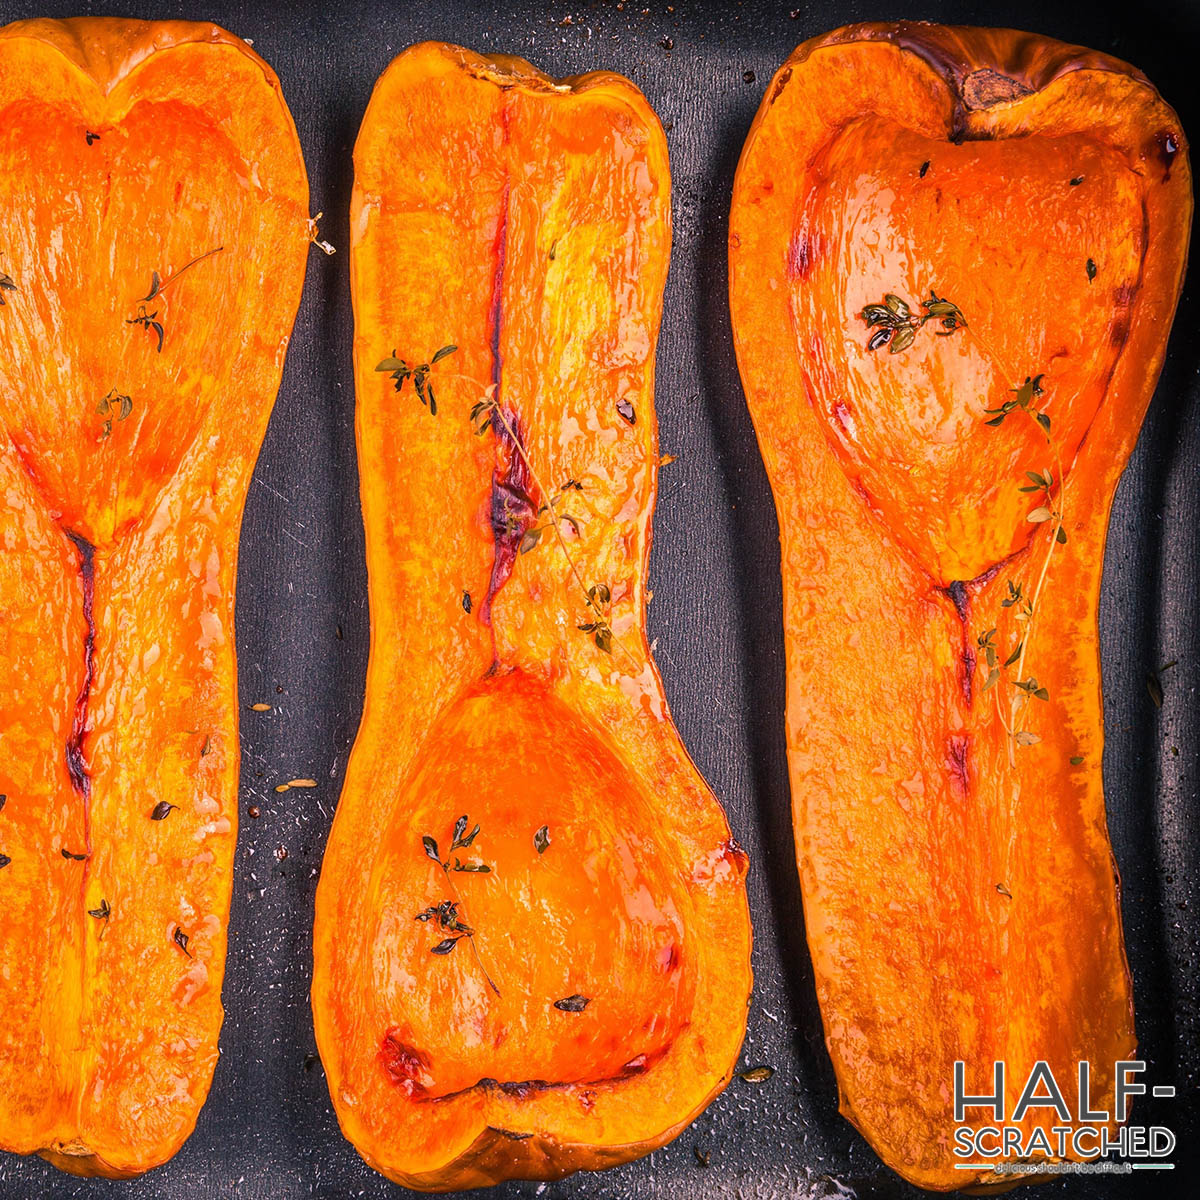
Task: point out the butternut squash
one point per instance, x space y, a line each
954 259
532 940
151 185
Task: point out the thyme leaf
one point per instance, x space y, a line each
896 325
401 370
541 839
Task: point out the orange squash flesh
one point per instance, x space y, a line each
959 888
599 1001
127 149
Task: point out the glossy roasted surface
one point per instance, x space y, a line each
943 487
268 1124
571 1003
126 152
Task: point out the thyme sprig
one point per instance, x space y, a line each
158 285
1049 511
487 414
446 912
896 325
401 370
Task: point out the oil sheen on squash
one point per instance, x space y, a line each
532 940
943 488
136 392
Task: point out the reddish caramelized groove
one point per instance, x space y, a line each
959 887
136 392
584 997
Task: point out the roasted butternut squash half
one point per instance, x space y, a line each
532 939
153 234
954 259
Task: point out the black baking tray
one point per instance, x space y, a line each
268 1130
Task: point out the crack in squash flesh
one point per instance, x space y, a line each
957 907
527 223
127 148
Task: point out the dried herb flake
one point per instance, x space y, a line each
758 1074
573 1004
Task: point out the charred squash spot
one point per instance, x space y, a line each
801 257
405 1066
957 750
76 767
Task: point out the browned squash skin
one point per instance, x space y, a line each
127 149
525 222
959 888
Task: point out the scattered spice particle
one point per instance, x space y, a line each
703 1157
573 1004
310 1061
758 1074
340 635
253 811
281 853
667 43
748 76
206 747
666 460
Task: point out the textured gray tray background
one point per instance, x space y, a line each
267 1130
